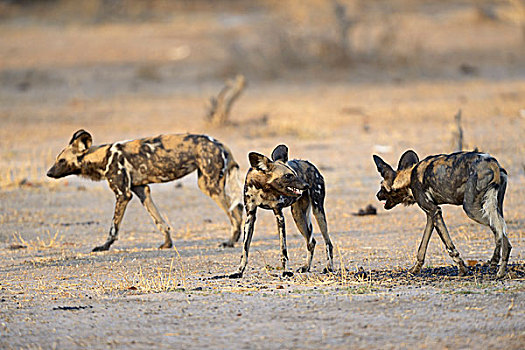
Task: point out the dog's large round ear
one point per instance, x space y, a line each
384 169
259 161
81 140
280 153
408 159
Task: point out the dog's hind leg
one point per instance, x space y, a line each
234 214
499 228
506 246
486 207
320 217
422 251
215 188
144 194
301 216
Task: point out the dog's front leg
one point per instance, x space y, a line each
248 234
119 182
445 237
282 238
422 251
120 207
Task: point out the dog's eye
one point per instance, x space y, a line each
62 161
288 176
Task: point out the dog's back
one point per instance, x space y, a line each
446 175
168 157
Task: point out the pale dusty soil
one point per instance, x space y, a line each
116 81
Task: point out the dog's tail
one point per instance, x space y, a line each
233 185
501 190
494 195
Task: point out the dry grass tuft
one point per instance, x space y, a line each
158 281
155 282
48 242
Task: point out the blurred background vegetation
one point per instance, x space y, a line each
266 38
304 70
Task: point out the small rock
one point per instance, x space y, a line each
369 210
16 246
468 69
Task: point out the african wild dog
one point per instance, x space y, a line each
131 165
276 184
472 179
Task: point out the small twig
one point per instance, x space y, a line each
511 306
458 134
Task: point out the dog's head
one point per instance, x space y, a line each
275 175
395 187
68 161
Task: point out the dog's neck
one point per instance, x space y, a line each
403 178
93 164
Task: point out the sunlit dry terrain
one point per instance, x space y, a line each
125 79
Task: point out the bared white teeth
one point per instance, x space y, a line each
294 190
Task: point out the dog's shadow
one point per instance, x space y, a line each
435 274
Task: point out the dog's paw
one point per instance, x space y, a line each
501 274
462 270
361 274
287 274
166 245
303 269
227 244
493 265
101 248
500 277
327 270
235 275
414 270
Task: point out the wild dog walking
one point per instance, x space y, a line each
130 166
276 184
471 179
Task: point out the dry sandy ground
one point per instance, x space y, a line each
56 294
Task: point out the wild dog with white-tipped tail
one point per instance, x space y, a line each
130 166
471 179
275 184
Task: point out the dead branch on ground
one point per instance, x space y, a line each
344 23
219 107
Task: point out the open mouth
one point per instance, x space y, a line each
294 190
388 206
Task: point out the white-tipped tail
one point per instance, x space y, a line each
490 210
233 187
